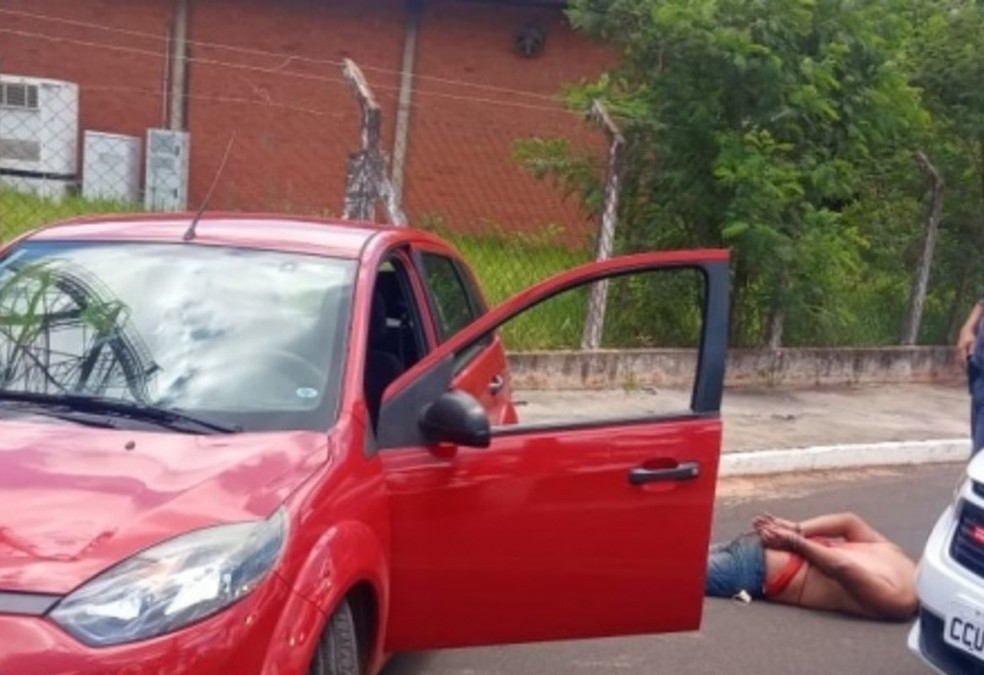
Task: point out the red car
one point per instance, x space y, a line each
270 445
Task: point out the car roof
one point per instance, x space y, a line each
335 238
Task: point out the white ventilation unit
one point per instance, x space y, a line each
167 170
111 167
39 131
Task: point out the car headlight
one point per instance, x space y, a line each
173 584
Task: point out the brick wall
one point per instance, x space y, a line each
295 119
121 89
461 164
281 90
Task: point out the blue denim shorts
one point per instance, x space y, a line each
738 565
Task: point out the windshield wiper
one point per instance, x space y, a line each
83 418
170 418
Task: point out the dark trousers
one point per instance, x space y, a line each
975 382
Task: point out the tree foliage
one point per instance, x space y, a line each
948 67
788 131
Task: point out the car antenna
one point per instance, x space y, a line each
190 232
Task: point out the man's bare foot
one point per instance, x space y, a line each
769 520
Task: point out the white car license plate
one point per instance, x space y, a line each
964 628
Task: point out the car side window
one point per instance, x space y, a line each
395 340
659 353
455 299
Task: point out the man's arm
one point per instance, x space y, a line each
848 526
968 334
877 595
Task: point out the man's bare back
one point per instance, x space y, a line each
832 562
847 566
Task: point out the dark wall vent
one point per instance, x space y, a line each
530 40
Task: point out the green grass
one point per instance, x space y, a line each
659 309
507 265
20 213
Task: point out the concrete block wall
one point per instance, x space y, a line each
614 369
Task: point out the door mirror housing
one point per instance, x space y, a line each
456 417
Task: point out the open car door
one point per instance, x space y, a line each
548 530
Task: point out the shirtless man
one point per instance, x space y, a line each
834 562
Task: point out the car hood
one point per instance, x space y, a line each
74 501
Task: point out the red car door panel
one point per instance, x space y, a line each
485 375
482 370
544 537
553 531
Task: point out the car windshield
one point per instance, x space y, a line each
251 338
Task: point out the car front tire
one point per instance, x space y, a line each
338 652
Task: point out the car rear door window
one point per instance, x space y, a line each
455 300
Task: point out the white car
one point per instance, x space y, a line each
949 633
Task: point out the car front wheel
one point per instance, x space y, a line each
338 652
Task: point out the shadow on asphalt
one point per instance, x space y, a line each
405 664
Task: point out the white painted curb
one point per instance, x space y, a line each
843 456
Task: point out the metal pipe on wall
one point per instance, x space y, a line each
179 66
166 78
402 134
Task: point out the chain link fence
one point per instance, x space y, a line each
140 120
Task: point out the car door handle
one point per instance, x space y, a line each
496 385
685 471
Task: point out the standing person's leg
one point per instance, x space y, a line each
975 381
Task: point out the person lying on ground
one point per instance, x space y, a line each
834 562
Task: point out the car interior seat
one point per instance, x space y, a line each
382 365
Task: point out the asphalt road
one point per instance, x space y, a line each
759 638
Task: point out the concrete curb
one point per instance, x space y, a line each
825 457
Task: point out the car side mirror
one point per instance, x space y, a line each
456 417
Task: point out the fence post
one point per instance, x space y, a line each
366 180
407 73
595 322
